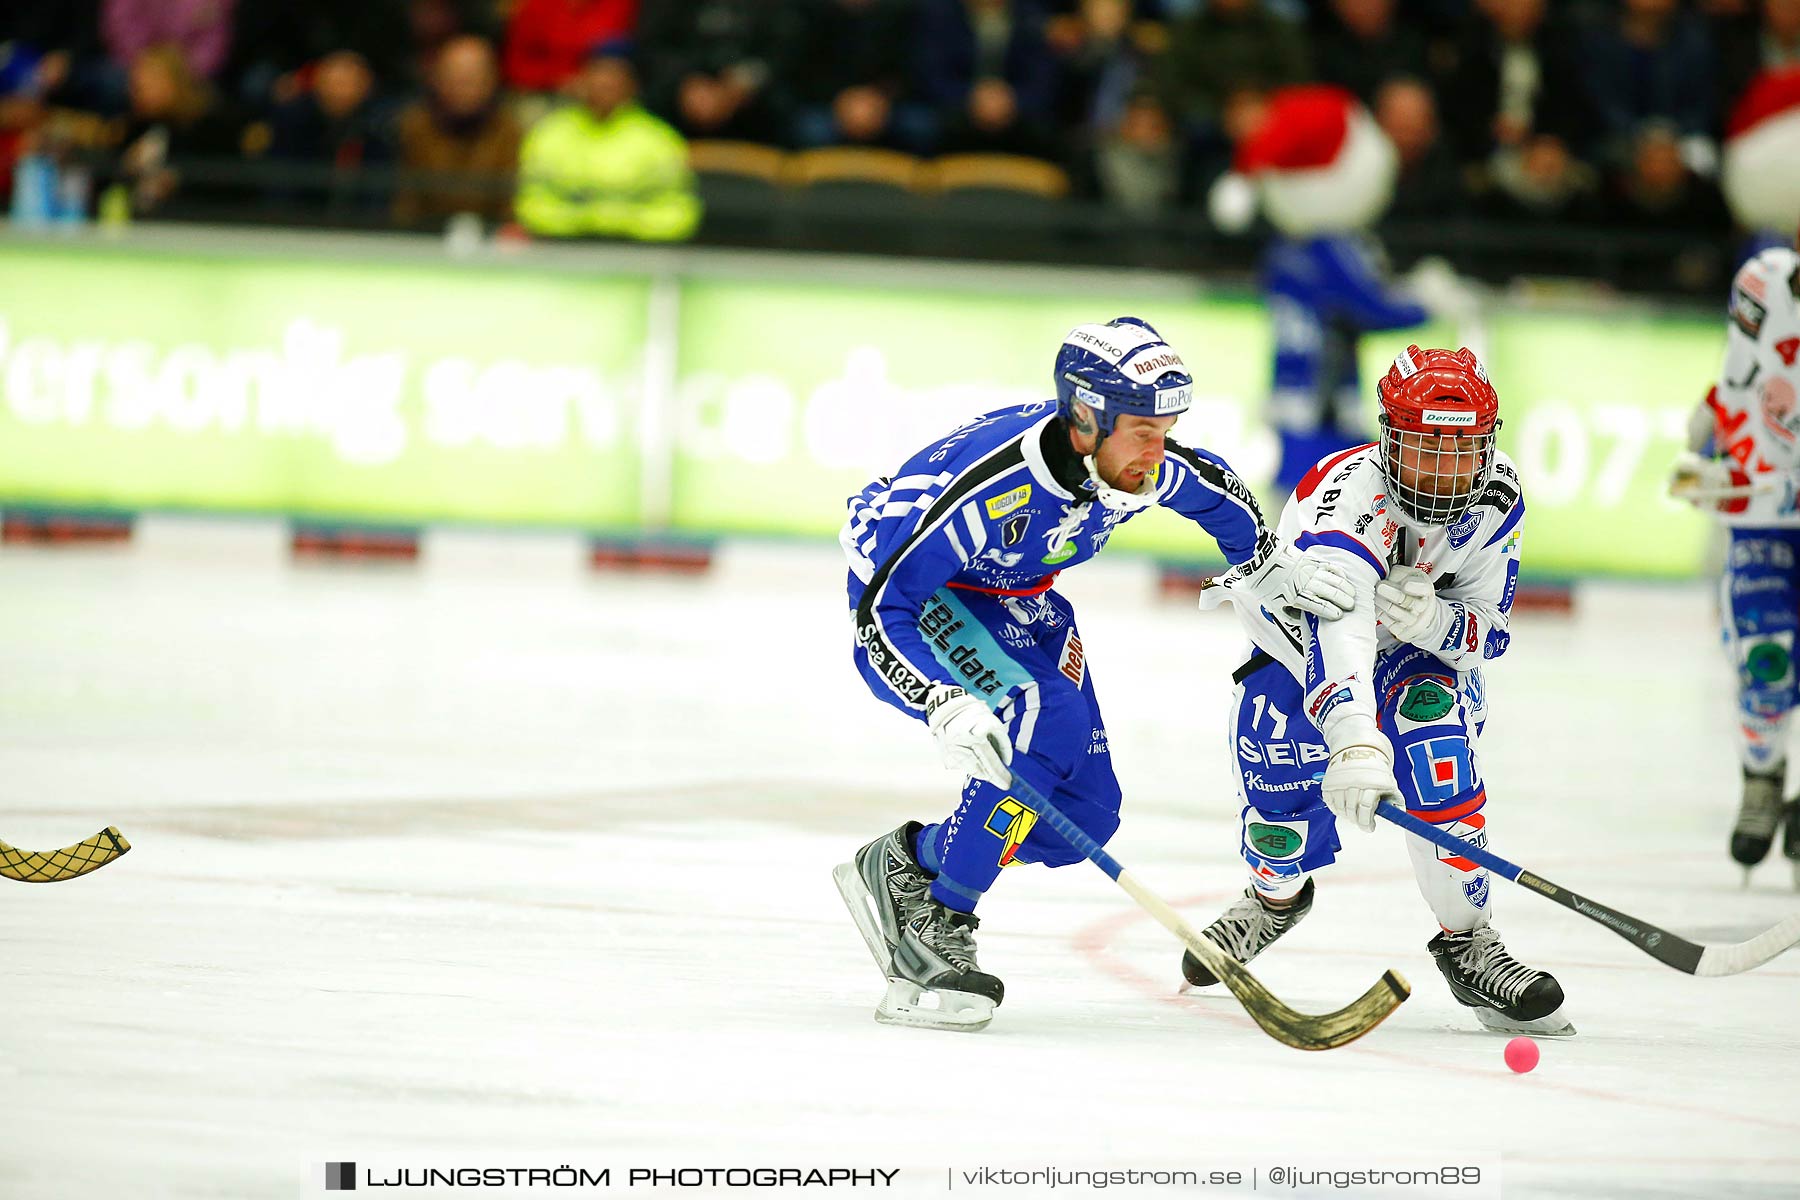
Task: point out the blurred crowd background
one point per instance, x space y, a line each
1576 136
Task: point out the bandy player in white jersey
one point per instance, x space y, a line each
1743 465
1330 718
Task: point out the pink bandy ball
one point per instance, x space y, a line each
1521 1054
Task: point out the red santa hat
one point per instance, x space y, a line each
1760 167
1316 161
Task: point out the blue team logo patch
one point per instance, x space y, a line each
1477 890
1496 643
1013 532
1463 530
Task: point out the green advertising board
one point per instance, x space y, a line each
421 391
361 389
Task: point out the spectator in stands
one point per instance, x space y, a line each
1360 44
1138 160
604 166
1509 74
1654 62
21 106
434 24
173 116
712 67
1221 61
1540 181
276 44
200 28
849 60
54 54
335 122
1105 104
984 68
1428 184
1099 65
1659 191
459 145
1227 47
546 40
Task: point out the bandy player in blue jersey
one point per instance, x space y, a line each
952 561
1387 703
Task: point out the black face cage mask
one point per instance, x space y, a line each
1441 498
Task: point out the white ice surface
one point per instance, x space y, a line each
432 867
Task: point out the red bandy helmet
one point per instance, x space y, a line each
1439 416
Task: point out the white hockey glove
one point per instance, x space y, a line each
971 740
1358 777
1408 606
1699 480
1284 580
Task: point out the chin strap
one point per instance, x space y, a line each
1114 499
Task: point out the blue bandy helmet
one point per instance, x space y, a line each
1121 368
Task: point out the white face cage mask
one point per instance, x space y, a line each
1451 471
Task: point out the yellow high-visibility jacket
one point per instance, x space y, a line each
625 176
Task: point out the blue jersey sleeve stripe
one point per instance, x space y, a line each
1237 524
1343 541
1512 518
962 552
978 532
1219 478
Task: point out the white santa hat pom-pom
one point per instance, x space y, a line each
1231 203
1761 164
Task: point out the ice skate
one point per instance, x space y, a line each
1245 930
1507 995
926 951
1790 837
1757 818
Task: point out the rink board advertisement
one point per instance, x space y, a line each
323 388
391 391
